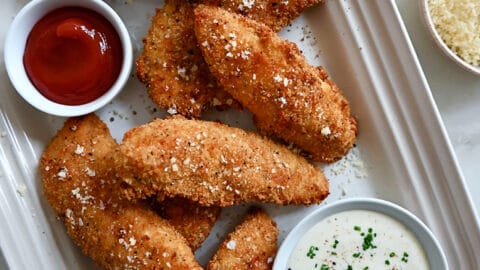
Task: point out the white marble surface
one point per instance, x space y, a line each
456 92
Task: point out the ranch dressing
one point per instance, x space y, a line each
358 239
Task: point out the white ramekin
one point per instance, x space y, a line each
431 246
15 46
427 19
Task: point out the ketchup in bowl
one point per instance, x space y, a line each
73 55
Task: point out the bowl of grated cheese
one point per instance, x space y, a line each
455 28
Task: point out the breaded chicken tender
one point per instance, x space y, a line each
191 220
79 182
171 63
214 164
252 245
290 99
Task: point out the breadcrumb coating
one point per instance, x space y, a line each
79 182
214 164
191 220
171 63
290 99
252 245
273 13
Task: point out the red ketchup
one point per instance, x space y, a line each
73 55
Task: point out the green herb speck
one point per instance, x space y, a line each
405 257
387 262
324 267
392 254
311 252
356 255
356 228
335 243
368 241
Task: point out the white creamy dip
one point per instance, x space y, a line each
358 240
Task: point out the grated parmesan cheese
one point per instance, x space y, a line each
231 244
172 110
79 150
458 24
326 131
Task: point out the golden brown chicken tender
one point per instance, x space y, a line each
290 99
79 182
252 245
214 164
172 66
171 63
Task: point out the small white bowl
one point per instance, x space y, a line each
434 253
427 19
15 46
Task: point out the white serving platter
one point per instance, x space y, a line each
402 153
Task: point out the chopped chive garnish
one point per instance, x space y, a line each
349 267
311 252
387 262
335 243
405 257
365 268
324 267
368 242
357 228
356 255
333 253
392 254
